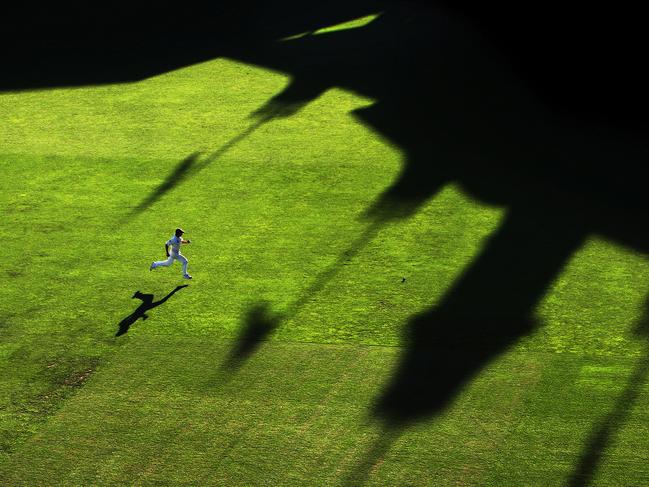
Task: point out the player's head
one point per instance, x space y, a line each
179 232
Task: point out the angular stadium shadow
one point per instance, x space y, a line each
140 311
466 112
464 117
64 46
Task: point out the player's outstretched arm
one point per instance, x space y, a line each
167 249
186 241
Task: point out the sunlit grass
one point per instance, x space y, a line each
352 24
267 218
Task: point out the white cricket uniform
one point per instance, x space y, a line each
174 242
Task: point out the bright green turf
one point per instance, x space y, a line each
268 218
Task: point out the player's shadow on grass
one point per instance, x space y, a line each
604 433
140 311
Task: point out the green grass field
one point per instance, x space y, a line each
270 216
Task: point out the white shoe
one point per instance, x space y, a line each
187 276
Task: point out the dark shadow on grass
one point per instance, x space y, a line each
189 166
462 114
260 321
373 458
452 104
260 118
327 275
486 311
140 312
181 172
613 422
56 46
289 101
257 326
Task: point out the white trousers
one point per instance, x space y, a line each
170 260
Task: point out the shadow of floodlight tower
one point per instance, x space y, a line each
260 322
601 436
278 107
374 456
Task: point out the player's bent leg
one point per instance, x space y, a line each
163 263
